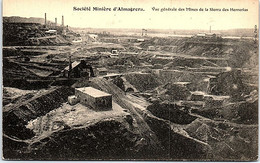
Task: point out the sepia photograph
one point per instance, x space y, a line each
157 80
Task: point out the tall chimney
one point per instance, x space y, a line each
62 21
209 29
55 22
45 19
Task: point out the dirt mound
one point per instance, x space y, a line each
29 34
142 81
228 141
119 82
200 48
238 53
156 41
12 70
171 76
171 112
228 83
242 55
195 81
16 116
177 146
242 113
105 140
11 95
239 112
173 92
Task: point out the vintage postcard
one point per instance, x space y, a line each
130 80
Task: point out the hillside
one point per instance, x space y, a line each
17 19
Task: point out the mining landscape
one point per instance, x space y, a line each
166 97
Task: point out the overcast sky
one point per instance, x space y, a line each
146 19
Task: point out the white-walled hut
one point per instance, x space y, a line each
94 98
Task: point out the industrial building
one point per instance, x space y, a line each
151 48
78 70
92 98
101 71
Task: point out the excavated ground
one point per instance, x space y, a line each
188 99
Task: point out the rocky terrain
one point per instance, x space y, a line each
187 99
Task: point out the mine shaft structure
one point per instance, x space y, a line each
77 70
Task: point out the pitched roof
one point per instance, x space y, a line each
73 65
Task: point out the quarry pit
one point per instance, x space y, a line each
172 98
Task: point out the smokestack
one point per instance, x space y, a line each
209 29
62 21
45 19
55 22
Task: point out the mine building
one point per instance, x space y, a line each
102 71
202 35
92 98
207 35
51 32
114 51
78 70
140 40
151 48
211 35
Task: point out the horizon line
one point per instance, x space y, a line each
132 28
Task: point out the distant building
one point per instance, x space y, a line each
201 35
212 35
114 51
151 48
51 32
140 40
114 54
208 35
101 71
